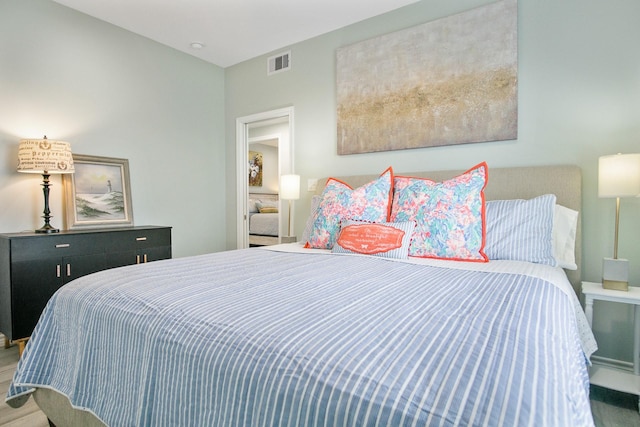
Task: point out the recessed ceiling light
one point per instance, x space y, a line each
197 45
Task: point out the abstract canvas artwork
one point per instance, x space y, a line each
450 81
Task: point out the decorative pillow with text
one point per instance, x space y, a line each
386 239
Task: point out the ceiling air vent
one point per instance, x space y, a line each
279 63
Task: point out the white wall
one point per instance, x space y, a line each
579 98
112 93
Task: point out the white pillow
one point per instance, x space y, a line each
563 236
315 202
252 205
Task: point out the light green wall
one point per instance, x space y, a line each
579 98
112 93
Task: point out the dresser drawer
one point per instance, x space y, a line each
33 248
138 239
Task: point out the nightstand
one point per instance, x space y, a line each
605 376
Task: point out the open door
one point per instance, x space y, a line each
255 129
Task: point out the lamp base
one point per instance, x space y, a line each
615 285
47 229
615 274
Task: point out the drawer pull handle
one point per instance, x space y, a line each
137 259
145 258
68 270
141 239
58 270
63 245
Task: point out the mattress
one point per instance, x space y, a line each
310 338
264 224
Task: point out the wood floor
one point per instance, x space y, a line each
609 408
28 415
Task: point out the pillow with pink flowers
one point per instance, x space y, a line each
449 215
370 202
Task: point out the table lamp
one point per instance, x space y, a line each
45 157
289 190
618 176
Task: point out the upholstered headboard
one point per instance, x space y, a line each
514 183
263 196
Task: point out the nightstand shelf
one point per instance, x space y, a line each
615 378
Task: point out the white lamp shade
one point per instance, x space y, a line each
619 175
290 187
45 156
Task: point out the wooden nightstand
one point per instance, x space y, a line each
605 376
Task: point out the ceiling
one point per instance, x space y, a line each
232 31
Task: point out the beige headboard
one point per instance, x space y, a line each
264 196
514 183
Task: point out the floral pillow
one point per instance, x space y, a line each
449 215
370 202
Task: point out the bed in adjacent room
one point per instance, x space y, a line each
349 330
264 219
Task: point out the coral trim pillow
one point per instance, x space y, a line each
449 215
386 239
370 202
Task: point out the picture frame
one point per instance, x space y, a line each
255 169
98 194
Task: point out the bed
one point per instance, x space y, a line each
288 335
264 219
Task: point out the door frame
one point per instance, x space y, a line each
285 164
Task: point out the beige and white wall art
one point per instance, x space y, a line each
450 81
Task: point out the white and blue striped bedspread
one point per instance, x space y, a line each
266 338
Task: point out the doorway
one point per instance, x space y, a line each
262 128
